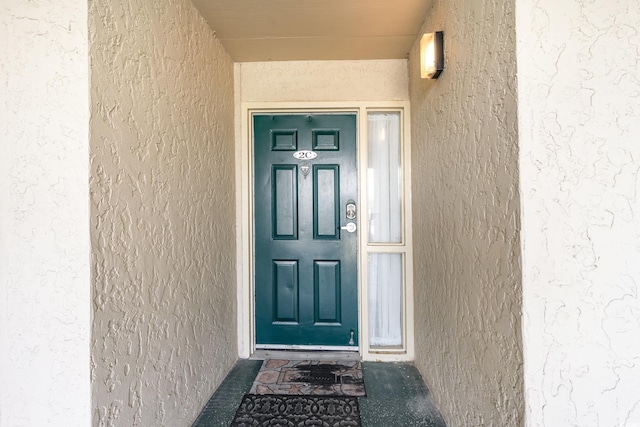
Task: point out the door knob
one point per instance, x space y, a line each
350 227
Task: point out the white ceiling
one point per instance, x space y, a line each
290 30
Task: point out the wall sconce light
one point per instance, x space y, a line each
431 55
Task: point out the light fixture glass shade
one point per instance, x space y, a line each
431 55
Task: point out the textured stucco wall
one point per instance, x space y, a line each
579 120
162 212
308 81
44 214
466 216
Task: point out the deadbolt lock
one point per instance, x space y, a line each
351 210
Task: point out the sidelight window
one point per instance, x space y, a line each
386 237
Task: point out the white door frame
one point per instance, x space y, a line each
244 227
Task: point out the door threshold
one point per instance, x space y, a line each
305 355
344 348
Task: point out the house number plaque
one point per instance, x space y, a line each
305 155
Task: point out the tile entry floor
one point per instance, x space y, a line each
396 396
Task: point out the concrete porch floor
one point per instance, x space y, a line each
396 396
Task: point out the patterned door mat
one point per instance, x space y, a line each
304 377
278 410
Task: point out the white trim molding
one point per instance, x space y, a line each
244 164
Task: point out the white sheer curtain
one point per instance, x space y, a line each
384 184
385 300
384 178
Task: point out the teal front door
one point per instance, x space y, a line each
305 264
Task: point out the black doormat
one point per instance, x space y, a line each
291 411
